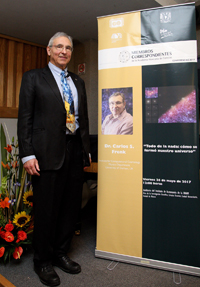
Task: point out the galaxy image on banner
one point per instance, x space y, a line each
171 104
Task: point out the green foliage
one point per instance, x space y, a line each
3 151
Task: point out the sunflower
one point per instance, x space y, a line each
21 219
28 197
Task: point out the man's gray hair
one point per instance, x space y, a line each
117 94
59 34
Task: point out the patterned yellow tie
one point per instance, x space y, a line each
69 104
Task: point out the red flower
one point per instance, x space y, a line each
9 227
2 233
5 203
8 148
3 164
7 166
21 235
15 164
18 252
2 250
8 236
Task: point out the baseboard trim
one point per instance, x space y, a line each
5 283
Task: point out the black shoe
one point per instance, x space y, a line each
47 275
67 265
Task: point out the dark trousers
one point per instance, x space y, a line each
57 200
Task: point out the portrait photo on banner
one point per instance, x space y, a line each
117 111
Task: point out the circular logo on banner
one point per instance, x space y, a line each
124 56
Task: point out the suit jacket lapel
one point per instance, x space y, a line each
52 83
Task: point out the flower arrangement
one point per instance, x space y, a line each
16 203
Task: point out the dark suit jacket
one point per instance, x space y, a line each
42 119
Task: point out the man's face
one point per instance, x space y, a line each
116 105
60 58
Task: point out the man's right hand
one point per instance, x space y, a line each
32 167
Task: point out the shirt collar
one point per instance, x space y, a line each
56 70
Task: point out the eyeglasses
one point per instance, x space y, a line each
60 48
115 103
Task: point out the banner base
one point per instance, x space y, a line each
149 263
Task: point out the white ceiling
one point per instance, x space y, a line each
38 20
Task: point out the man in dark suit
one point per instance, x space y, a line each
54 156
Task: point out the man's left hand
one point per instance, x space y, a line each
87 166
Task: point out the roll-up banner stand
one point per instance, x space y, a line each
148 210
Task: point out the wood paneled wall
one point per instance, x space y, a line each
16 57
